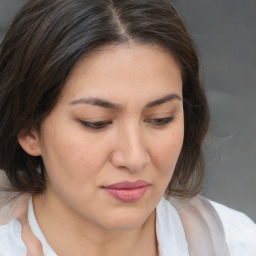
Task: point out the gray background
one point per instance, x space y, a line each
225 33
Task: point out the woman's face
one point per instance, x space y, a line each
111 143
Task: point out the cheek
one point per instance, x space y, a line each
166 152
71 156
74 163
79 158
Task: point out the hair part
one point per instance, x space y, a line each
47 38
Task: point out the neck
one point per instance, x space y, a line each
70 234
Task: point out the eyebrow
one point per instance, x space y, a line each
163 100
97 102
109 105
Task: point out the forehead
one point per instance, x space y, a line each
124 72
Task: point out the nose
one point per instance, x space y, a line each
130 150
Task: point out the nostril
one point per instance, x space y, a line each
132 161
130 151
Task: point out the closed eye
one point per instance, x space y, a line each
160 122
95 125
98 125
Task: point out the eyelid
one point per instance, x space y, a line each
160 122
95 125
100 125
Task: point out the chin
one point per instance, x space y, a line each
126 220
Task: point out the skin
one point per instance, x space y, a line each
75 214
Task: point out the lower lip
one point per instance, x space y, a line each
127 195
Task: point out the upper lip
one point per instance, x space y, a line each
128 185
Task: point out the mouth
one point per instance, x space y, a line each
127 191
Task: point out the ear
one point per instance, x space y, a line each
30 143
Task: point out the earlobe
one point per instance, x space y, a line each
30 143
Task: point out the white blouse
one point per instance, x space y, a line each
240 232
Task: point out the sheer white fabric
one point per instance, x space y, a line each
190 227
202 225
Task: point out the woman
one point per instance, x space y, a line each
102 120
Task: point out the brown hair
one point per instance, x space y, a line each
45 40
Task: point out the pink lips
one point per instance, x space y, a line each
127 191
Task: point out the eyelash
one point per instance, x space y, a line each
160 122
99 125
96 125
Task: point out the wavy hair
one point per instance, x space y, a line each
43 43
